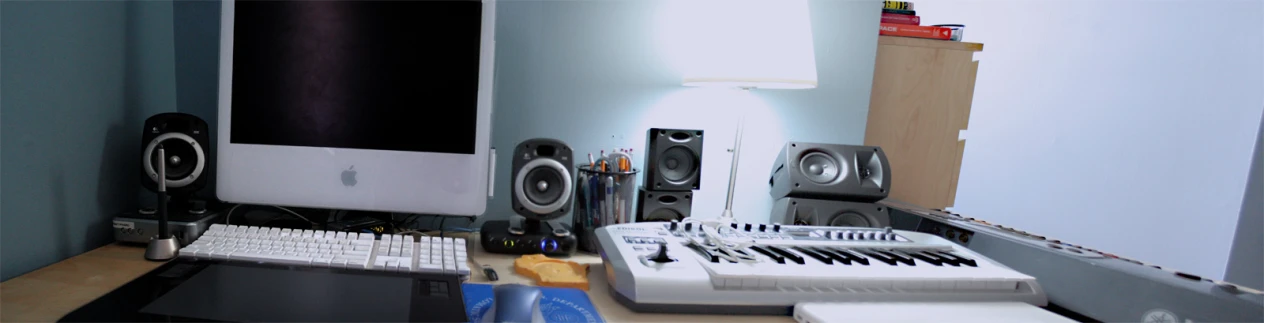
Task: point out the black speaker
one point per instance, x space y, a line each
186 140
663 206
674 160
542 179
831 171
801 211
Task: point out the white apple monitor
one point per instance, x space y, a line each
361 105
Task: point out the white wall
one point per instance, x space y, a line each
1125 126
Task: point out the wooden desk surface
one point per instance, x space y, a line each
51 292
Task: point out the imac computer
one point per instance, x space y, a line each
358 105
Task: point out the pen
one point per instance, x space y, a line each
610 199
590 162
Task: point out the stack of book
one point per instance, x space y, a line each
899 19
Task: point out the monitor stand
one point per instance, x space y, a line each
522 236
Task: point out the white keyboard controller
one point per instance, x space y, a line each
767 269
331 249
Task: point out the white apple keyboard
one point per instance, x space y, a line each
331 249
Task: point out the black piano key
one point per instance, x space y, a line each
853 255
823 258
703 251
833 255
960 259
900 258
934 261
942 259
786 253
877 256
775 257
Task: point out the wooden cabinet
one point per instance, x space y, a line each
921 97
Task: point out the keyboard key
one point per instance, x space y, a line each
786 253
822 258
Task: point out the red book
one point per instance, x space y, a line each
931 32
891 18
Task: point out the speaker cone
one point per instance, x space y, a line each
663 215
849 219
543 185
819 167
677 164
185 159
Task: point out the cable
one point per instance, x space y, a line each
728 248
229 216
441 226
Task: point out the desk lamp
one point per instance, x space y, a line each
750 44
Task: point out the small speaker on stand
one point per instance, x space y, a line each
185 144
541 192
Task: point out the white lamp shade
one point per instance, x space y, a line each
749 44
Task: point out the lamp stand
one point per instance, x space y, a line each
737 151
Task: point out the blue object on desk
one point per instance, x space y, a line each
558 304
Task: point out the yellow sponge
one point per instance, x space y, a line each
553 272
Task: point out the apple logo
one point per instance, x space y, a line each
348 177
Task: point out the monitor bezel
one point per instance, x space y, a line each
389 181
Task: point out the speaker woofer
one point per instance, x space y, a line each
678 165
820 168
851 219
544 186
185 159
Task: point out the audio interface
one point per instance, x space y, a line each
553 241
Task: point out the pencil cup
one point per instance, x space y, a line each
601 198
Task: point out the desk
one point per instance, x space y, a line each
51 292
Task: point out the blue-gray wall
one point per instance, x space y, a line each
79 78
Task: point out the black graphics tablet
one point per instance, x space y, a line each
186 290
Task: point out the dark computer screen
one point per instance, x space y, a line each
380 75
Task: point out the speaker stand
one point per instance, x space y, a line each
521 236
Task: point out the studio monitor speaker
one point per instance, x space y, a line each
663 206
800 211
830 171
674 160
542 181
186 141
